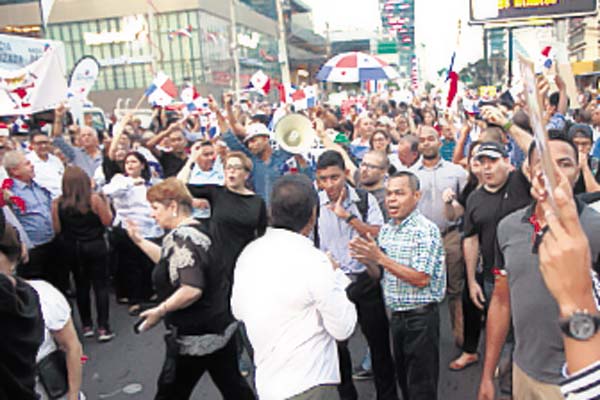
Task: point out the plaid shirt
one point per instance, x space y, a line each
415 243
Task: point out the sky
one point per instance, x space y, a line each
436 32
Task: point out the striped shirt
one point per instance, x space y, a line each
415 243
583 385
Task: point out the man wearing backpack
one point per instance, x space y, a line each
344 214
436 175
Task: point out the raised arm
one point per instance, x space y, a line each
236 127
118 132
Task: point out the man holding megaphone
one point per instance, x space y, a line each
253 140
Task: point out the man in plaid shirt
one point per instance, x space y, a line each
411 254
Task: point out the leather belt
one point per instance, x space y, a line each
449 230
416 311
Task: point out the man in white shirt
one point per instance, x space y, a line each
48 168
294 308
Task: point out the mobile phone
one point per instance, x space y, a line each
140 326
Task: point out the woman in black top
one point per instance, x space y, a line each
194 295
81 218
238 215
21 320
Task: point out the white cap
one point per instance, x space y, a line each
256 129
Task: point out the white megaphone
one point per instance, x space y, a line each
295 133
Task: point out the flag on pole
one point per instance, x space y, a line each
162 91
285 93
45 9
452 76
183 33
260 82
304 98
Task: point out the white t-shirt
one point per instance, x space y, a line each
49 173
56 313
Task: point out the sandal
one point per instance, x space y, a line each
455 365
134 310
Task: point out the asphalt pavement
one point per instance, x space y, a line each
128 366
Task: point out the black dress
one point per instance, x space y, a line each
236 220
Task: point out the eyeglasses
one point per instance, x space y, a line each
370 166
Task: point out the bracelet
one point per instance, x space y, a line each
350 218
507 126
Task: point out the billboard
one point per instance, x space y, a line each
483 11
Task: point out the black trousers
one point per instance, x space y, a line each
416 342
134 268
180 374
473 317
88 261
45 263
366 294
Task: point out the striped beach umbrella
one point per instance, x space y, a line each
356 67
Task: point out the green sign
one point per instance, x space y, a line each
387 47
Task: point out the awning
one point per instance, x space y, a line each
586 67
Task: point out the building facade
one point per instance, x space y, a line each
133 39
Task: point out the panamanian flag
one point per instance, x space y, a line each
260 82
162 91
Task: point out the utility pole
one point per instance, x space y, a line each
283 57
234 49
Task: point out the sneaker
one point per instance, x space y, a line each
87 331
361 374
105 335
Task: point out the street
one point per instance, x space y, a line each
128 366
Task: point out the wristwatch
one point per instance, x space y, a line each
581 325
350 218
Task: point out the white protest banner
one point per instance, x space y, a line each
83 77
18 51
535 103
37 87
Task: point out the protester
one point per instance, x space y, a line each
128 196
345 213
373 169
86 154
294 308
407 153
47 167
582 137
80 218
410 251
59 333
363 131
194 294
36 220
565 265
22 330
173 160
520 292
436 175
268 163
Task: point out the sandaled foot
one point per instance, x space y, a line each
463 361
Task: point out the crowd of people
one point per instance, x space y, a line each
234 243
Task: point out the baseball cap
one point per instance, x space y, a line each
581 130
490 149
256 129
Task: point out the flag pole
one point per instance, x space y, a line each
139 103
234 48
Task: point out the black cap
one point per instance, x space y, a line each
581 130
491 150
